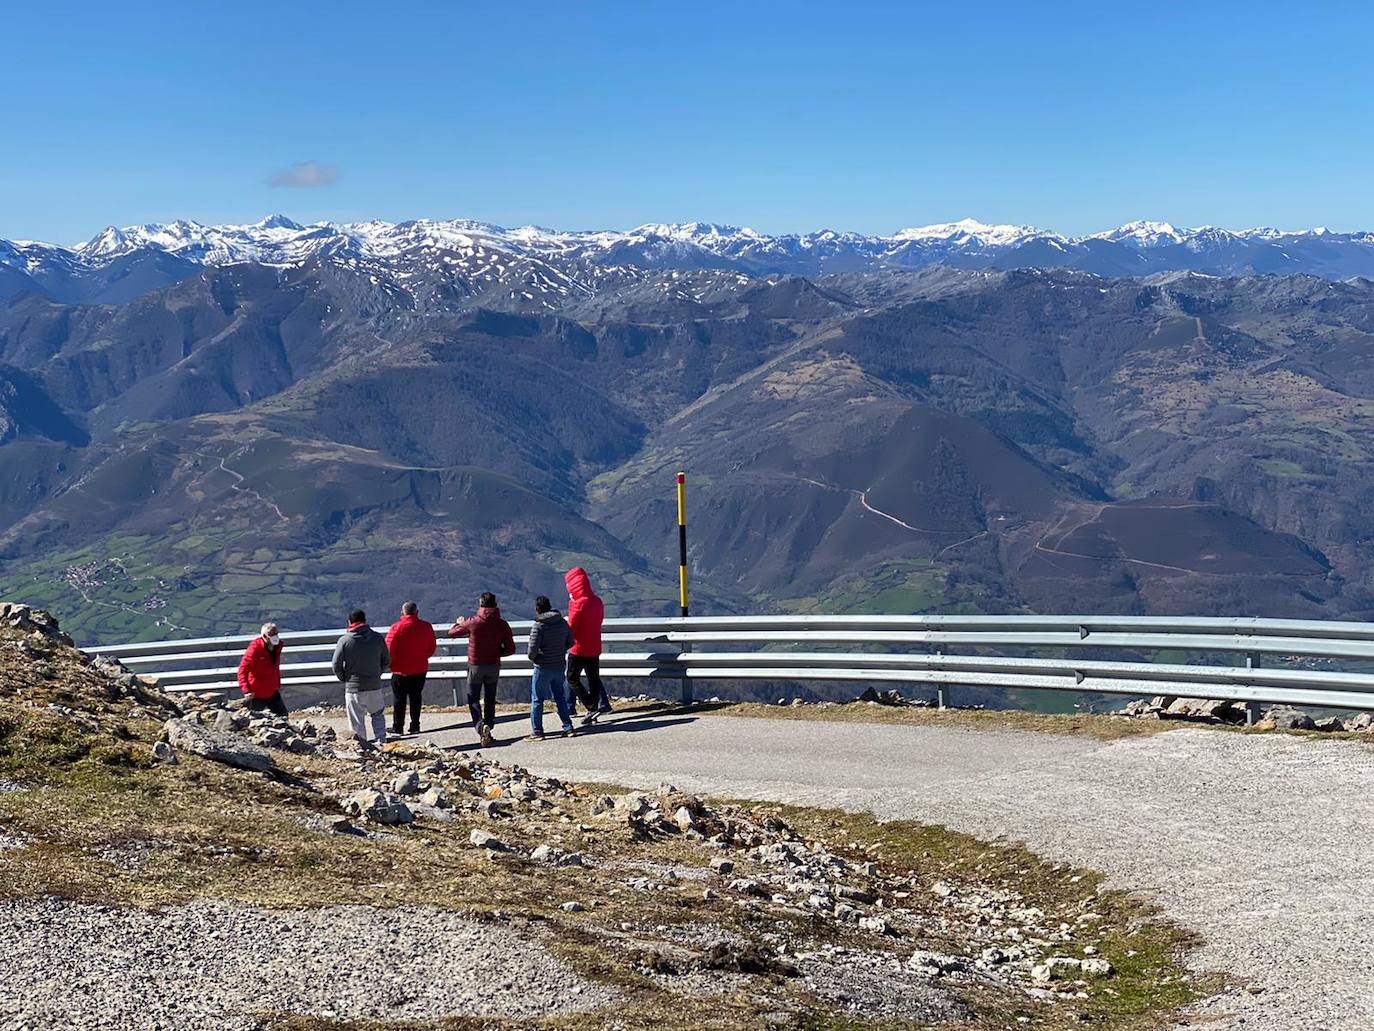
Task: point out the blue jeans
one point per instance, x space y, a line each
548 683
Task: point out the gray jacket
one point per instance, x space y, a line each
550 639
360 659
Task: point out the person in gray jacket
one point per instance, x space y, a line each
360 660
550 639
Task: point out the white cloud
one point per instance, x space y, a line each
305 175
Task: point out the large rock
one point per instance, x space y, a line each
684 819
435 798
1205 708
1221 709
379 808
633 805
1285 718
216 745
31 620
481 839
164 753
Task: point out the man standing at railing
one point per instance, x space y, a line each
489 641
360 660
586 613
410 642
549 642
260 672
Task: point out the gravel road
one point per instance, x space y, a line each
1262 843
214 965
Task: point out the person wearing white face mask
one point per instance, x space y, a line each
260 672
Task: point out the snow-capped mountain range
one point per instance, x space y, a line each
118 264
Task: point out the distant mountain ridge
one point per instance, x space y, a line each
118 263
202 423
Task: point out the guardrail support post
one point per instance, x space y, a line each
941 699
1252 709
686 684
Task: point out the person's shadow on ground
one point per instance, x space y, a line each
634 721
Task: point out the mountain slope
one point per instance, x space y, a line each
436 409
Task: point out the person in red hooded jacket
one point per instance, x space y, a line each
411 642
260 672
585 616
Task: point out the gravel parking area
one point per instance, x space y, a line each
1261 843
218 965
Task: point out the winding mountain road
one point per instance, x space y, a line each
1261 843
862 496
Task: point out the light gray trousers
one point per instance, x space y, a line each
366 707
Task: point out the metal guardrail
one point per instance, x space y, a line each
938 652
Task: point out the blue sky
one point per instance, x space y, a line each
782 116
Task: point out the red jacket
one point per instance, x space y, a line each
260 669
411 642
585 614
489 637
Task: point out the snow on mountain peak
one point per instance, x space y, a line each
483 249
695 232
108 241
969 230
1143 234
277 221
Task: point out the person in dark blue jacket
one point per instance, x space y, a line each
550 639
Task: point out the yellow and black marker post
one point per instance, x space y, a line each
682 571
682 540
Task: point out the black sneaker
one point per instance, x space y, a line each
590 718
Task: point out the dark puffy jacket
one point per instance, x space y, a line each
585 614
550 638
260 669
489 637
360 659
410 642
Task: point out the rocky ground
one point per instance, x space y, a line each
1214 711
182 864
211 963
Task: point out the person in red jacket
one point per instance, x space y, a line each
585 616
411 642
260 672
489 640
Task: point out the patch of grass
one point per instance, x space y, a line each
1103 728
1095 725
1281 467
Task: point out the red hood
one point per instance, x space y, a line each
579 584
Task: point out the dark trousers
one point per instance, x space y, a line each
482 680
273 705
593 697
406 690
